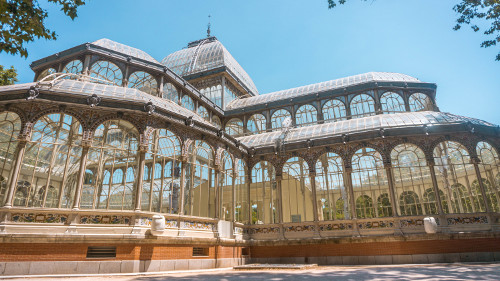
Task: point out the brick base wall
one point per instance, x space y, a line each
378 248
10 252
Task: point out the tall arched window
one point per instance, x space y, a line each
263 194
420 102
10 126
226 187
45 73
51 159
296 192
234 127
306 115
256 124
362 105
369 180
412 178
278 117
114 150
202 111
170 92
161 189
199 194
241 193
187 102
143 81
490 172
430 201
213 93
334 110
454 175
107 71
331 194
391 102
74 66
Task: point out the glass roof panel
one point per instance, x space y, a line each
206 55
124 49
333 129
323 86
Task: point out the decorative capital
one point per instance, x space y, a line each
33 93
93 100
149 108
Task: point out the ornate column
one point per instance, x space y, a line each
312 178
390 182
352 201
321 118
183 179
233 193
475 161
21 147
430 164
125 77
218 193
279 208
248 183
143 148
86 144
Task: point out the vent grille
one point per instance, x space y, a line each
200 252
101 252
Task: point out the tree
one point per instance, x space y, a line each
470 11
8 76
23 20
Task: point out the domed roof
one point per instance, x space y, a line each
124 49
361 125
321 87
204 55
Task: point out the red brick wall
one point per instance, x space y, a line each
78 252
379 248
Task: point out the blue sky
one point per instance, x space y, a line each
285 44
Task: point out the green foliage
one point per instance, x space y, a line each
23 20
7 76
469 11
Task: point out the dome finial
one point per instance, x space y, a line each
208 29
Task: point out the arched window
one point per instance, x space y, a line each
74 66
409 204
170 92
331 194
202 111
45 73
362 105
113 156
420 102
364 207
490 172
216 122
384 205
161 184
199 194
391 102
454 175
10 126
278 117
241 193
187 102
412 176
263 194
234 127
334 110
430 201
107 71
256 124
226 187
143 81
369 180
306 115
296 192
52 158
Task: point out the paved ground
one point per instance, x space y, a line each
376 273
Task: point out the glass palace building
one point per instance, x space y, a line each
112 161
